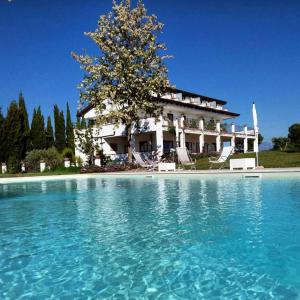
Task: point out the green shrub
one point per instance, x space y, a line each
51 157
13 165
68 153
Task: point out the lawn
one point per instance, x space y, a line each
267 159
59 171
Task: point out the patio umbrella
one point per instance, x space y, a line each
255 125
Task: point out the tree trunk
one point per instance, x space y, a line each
129 139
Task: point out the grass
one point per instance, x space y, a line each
267 159
58 171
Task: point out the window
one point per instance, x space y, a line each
144 146
189 146
168 145
170 117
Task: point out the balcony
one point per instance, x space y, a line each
210 127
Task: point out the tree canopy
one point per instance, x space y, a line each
12 137
69 130
129 70
38 134
49 134
60 134
25 129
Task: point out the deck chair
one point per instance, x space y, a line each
184 158
143 163
226 152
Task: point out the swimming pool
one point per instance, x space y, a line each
160 237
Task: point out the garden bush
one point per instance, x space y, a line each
13 165
68 153
50 156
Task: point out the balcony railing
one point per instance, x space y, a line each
212 126
191 124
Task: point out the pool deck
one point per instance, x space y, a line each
257 172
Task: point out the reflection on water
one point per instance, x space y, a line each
161 237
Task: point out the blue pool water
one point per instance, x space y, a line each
151 238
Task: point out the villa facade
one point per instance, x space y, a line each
200 123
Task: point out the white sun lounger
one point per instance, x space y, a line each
184 157
143 163
226 152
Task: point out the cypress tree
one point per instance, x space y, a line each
63 130
38 134
56 123
1 136
59 124
69 130
12 137
49 134
25 130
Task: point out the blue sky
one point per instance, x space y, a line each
239 51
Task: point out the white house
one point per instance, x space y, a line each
197 122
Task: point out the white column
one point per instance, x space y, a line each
201 142
159 137
177 132
232 143
245 139
218 143
201 124
233 137
182 122
182 139
218 126
182 134
245 145
232 128
218 138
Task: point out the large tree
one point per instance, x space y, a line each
129 69
49 134
24 126
294 135
12 137
69 130
59 124
1 136
63 129
37 132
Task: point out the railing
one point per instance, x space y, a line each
226 128
210 126
191 123
167 122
